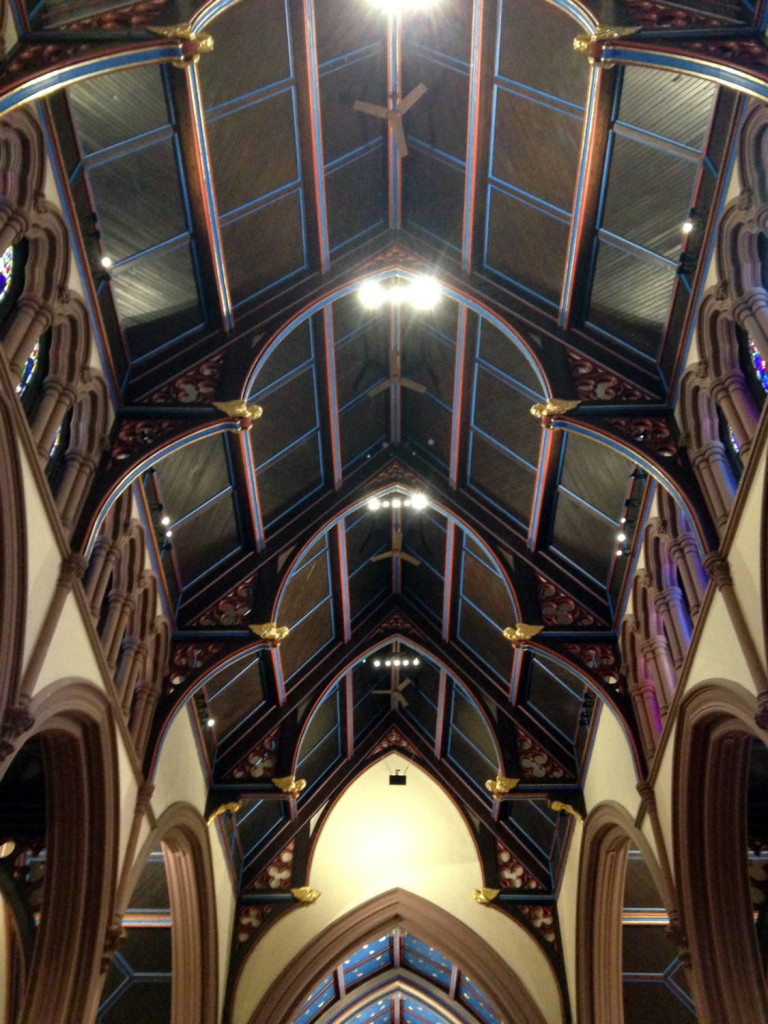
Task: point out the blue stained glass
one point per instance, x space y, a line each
427 961
323 994
734 443
56 442
471 995
761 370
30 366
374 956
6 271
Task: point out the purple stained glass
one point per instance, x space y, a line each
761 370
29 369
6 271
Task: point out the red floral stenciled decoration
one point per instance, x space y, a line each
277 876
137 436
558 609
512 874
652 14
187 659
600 659
393 739
535 762
259 763
233 609
651 432
195 387
749 52
132 16
250 920
542 917
596 384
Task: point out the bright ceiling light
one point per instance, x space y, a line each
396 503
424 292
107 262
621 537
388 663
400 6
371 294
166 520
687 227
211 722
376 663
419 500
374 504
415 661
396 663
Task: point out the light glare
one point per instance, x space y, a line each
374 504
419 500
371 294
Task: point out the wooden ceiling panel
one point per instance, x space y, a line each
293 351
506 482
307 638
356 198
484 637
290 412
427 424
677 107
438 120
433 196
524 134
503 413
205 537
584 537
190 476
288 479
500 351
127 104
361 76
264 246
251 51
486 590
363 426
631 297
362 360
537 260
132 221
254 151
428 359
596 473
346 26
536 49
649 194
157 299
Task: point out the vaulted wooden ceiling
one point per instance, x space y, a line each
239 204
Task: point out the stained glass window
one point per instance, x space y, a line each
761 370
33 360
734 443
56 442
6 271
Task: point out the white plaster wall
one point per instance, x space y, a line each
611 774
377 838
43 558
567 902
178 776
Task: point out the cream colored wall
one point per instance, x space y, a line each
379 837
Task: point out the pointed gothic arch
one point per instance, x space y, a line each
428 922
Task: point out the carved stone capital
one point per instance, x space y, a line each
717 568
113 940
72 569
647 795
